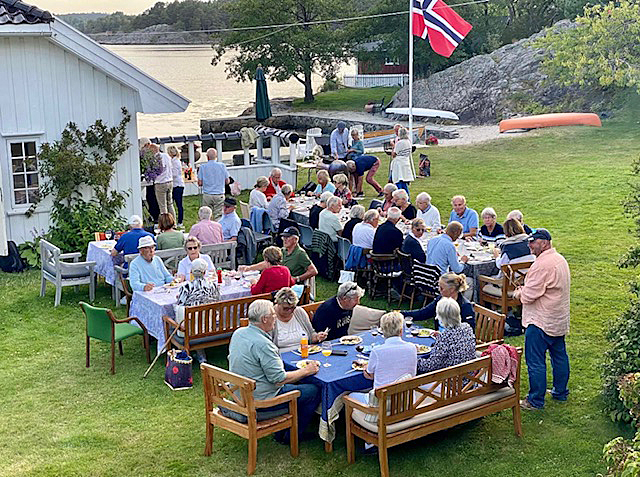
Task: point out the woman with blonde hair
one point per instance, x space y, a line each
401 165
257 197
324 183
178 181
275 276
450 285
291 322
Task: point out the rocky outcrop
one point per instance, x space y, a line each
154 35
489 88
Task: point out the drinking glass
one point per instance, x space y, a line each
374 330
326 348
108 234
409 322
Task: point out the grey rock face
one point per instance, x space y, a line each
489 88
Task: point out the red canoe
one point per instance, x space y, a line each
553 119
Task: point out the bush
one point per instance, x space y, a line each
331 84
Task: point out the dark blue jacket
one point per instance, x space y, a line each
466 311
413 248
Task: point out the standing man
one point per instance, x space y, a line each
545 300
230 221
164 182
212 177
339 141
466 216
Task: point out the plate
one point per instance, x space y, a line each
426 333
312 349
350 340
423 349
359 364
303 363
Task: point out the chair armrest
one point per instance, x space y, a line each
361 407
120 269
130 319
67 256
488 279
282 398
172 322
484 346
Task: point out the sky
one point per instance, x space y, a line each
86 6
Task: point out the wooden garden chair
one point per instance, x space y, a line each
489 324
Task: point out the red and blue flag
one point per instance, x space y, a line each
437 20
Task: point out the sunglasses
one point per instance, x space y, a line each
193 248
420 230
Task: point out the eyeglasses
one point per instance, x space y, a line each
288 308
193 248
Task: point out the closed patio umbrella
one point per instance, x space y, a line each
263 107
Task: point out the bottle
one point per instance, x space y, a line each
304 346
219 276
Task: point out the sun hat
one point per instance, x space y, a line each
146 241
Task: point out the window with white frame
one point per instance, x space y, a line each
24 172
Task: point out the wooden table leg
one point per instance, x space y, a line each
328 446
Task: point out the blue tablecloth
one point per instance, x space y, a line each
100 252
335 381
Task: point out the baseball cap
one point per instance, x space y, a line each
135 220
341 125
290 231
146 241
540 234
230 201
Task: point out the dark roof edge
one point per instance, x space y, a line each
32 13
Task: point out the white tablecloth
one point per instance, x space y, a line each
100 252
151 306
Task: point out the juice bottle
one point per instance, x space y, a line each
304 346
219 276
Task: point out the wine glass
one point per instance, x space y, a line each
326 348
374 330
409 322
108 234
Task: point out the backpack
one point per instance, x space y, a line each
12 262
424 166
308 187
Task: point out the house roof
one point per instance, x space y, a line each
17 12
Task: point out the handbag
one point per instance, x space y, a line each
177 374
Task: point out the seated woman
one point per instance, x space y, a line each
411 244
324 183
516 214
314 213
451 285
257 197
342 190
491 230
329 222
192 245
197 292
387 203
456 342
401 199
275 276
169 237
514 249
291 322
356 215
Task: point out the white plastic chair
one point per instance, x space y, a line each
310 141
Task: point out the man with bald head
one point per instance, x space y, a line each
212 177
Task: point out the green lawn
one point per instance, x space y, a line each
63 419
347 99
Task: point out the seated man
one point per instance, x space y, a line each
388 237
146 270
230 221
442 252
206 230
293 257
254 355
128 243
365 231
275 183
466 216
329 222
334 315
427 211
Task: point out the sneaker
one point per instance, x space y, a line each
360 194
527 406
180 226
370 449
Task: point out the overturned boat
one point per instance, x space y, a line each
549 120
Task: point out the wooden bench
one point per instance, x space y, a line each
429 403
205 326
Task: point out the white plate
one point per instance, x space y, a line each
303 363
350 340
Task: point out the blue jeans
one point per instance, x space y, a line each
536 344
177 197
403 185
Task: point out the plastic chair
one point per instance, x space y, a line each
306 235
101 324
343 250
244 208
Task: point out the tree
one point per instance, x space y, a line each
603 51
289 52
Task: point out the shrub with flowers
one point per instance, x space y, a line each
150 164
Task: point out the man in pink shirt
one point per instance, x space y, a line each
207 231
545 315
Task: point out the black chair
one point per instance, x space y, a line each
375 204
386 267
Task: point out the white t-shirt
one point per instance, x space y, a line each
329 223
167 172
431 216
258 199
289 335
176 168
363 234
184 267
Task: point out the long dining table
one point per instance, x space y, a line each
337 378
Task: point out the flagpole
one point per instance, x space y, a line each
411 71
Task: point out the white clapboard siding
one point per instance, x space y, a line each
372 81
42 88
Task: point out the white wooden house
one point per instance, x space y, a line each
51 74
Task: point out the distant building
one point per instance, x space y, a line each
376 68
51 74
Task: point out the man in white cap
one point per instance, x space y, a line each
128 243
147 270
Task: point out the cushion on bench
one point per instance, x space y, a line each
495 290
197 341
446 411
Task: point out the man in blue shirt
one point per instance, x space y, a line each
128 243
230 221
442 252
212 177
253 354
147 271
339 141
466 216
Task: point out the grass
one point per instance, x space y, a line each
346 99
62 419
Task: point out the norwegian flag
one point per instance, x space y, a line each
437 20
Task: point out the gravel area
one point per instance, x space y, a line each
478 134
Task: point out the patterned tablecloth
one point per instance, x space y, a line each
151 306
100 252
336 380
300 212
